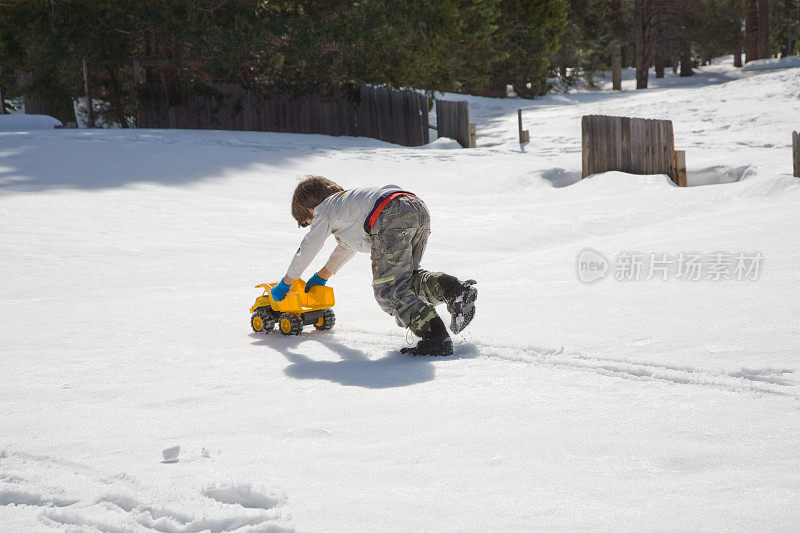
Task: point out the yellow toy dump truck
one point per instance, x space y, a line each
299 308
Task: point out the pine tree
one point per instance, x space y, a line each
585 45
786 27
475 49
34 57
529 35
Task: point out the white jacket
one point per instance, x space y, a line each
341 214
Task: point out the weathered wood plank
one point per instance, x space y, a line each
680 168
452 120
637 146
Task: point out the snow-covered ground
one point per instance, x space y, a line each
128 261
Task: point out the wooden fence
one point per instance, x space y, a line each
392 116
796 153
452 120
633 145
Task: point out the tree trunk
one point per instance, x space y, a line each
786 47
787 28
763 29
87 91
686 58
661 62
2 97
618 33
789 41
736 40
642 21
642 77
751 31
616 66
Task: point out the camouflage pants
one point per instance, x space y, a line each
402 289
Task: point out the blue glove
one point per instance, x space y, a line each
315 280
278 292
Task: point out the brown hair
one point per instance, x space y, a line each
308 194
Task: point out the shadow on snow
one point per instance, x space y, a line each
41 160
355 367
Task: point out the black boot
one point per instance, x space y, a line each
435 341
460 299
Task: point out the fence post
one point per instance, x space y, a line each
586 151
463 124
524 135
796 153
680 167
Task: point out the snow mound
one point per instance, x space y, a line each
615 182
443 143
773 63
23 122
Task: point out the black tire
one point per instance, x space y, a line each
326 321
290 324
262 320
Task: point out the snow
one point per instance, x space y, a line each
772 63
22 122
129 259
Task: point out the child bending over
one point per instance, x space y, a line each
393 226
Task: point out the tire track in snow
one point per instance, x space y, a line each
777 382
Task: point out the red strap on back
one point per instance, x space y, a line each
377 211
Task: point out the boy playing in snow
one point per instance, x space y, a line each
393 226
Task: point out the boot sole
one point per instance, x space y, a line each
459 321
438 353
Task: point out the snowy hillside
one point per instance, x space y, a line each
128 261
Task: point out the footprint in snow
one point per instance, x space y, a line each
242 494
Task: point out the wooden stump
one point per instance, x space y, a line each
633 145
452 119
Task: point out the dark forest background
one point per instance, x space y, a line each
55 51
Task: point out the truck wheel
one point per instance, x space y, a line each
262 321
290 324
326 321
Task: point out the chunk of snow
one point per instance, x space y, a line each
170 455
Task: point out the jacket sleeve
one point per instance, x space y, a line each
339 257
309 247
